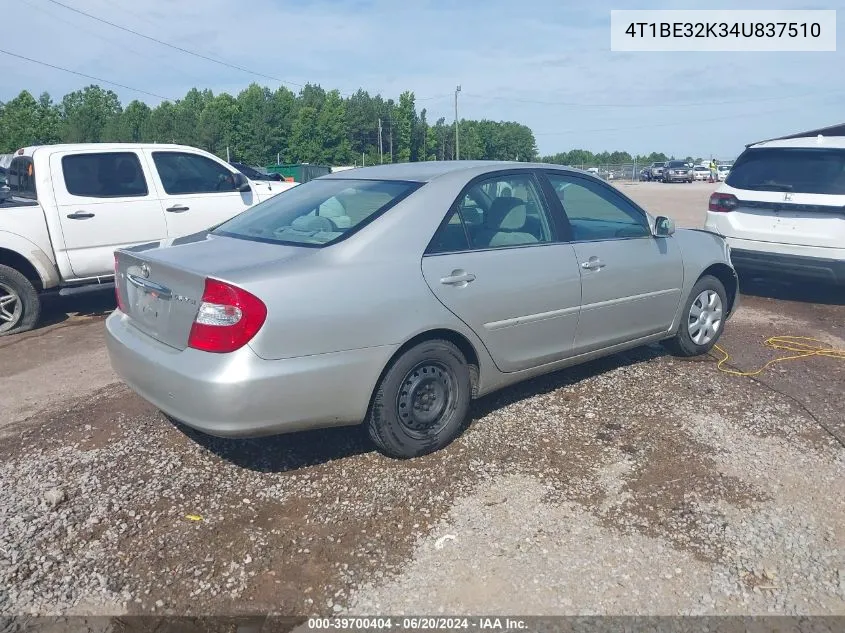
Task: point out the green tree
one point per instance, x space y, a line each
217 124
18 123
331 126
86 113
305 144
404 122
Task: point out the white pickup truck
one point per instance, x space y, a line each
68 207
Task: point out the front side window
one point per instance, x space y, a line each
182 173
317 212
595 212
505 211
106 175
21 178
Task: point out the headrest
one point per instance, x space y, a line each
506 212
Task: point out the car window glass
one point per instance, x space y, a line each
183 173
317 212
106 175
595 212
505 211
790 170
21 178
451 237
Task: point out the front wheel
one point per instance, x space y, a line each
702 319
422 401
20 305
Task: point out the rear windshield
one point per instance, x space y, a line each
317 212
799 170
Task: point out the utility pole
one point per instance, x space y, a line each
227 153
380 151
457 137
391 141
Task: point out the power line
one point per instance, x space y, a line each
651 105
194 53
648 127
95 34
100 79
174 47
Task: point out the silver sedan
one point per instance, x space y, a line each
394 295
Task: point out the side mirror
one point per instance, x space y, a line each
663 226
240 182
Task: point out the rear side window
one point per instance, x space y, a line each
106 175
796 170
183 173
451 237
21 178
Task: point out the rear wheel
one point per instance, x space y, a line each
421 403
20 305
702 319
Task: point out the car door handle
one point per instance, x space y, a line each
177 208
458 278
594 263
80 215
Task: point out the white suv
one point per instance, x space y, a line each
782 208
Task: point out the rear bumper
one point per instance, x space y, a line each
241 394
676 178
817 268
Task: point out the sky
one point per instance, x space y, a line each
544 63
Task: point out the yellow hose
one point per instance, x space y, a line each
802 346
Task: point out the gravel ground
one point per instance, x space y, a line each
637 484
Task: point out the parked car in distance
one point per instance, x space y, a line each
723 170
700 172
70 206
781 209
677 171
655 171
255 173
512 271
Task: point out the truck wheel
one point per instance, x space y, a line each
20 305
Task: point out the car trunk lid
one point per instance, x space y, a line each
161 289
792 218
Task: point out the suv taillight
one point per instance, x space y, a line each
722 202
227 319
120 305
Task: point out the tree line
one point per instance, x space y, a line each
261 126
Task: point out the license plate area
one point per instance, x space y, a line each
150 305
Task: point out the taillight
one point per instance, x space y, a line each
227 319
722 202
120 305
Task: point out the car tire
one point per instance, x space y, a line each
21 313
695 334
421 402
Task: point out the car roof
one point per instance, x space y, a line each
805 142
429 170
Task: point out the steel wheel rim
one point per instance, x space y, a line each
10 307
426 395
705 317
